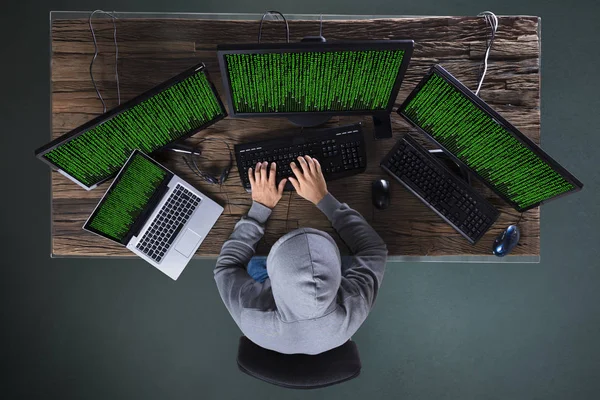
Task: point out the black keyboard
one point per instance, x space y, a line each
168 223
340 151
431 181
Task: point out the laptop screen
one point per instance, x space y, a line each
130 196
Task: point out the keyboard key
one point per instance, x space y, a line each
326 145
155 240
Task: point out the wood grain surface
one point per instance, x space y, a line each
153 50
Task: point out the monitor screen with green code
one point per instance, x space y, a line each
173 110
354 77
470 131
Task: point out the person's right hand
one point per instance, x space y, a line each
309 181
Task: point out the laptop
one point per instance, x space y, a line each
155 214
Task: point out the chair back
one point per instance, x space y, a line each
299 371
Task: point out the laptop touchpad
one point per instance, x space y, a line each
188 243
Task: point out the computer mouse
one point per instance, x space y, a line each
380 193
506 241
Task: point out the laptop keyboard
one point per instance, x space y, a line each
168 223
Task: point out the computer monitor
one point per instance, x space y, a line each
310 81
476 136
173 110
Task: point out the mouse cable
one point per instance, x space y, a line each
519 220
114 18
287 215
492 20
287 27
229 203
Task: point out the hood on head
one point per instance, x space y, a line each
304 267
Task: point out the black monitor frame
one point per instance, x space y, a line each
302 47
39 153
500 120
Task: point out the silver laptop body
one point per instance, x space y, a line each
173 225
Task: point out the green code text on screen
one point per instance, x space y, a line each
127 198
479 141
329 81
100 152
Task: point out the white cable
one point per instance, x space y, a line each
492 20
321 25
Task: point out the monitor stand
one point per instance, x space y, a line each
383 126
459 171
316 39
306 121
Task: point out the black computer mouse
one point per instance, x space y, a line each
506 241
380 193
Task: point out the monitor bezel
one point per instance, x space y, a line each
41 151
150 206
504 123
303 47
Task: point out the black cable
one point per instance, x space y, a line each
287 215
519 220
194 170
229 203
287 27
194 166
96 55
197 145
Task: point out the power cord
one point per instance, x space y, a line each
492 20
114 18
287 27
321 25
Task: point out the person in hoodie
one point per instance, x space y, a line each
308 301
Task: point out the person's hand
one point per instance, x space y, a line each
262 183
309 181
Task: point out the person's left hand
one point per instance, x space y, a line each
262 183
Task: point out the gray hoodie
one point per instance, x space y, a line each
312 302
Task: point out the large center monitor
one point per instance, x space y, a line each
173 110
295 79
478 137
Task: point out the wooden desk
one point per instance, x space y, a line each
153 49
